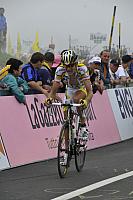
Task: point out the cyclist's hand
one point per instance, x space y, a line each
84 103
48 101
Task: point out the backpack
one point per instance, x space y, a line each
4 71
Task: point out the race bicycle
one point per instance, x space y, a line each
76 147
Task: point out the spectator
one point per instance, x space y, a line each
3 31
17 86
45 72
57 62
30 73
114 79
130 71
95 75
105 76
3 85
122 71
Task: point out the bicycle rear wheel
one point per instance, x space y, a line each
80 154
62 169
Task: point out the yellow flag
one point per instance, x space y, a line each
35 46
9 46
19 48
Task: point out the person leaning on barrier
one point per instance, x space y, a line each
45 72
122 72
95 75
130 70
30 73
17 86
113 67
104 69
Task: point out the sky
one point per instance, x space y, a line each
61 18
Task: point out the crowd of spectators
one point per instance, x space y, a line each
37 75
114 73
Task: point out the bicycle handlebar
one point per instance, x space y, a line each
66 104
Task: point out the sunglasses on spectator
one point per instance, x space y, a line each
97 63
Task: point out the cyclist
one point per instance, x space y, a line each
78 89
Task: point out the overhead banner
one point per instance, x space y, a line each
121 100
3 157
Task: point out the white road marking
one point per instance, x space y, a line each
90 197
93 186
131 193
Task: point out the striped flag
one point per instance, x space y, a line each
112 27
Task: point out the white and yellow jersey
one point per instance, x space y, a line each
76 75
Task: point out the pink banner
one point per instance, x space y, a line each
26 136
102 125
31 134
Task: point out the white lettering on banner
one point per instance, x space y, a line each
125 102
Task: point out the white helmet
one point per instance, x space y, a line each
68 57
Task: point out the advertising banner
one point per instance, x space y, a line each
102 125
121 100
30 133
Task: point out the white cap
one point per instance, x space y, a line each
95 59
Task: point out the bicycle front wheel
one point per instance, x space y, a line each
80 154
62 168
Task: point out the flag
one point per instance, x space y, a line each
19 47
35 46
9 46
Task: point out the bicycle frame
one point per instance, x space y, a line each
75 146
69 119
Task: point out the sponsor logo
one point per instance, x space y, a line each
40 116
125 102
52 143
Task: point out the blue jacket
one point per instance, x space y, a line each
46 74
13 84
29 73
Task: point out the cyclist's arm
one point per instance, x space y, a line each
56 83
54 89
88 87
